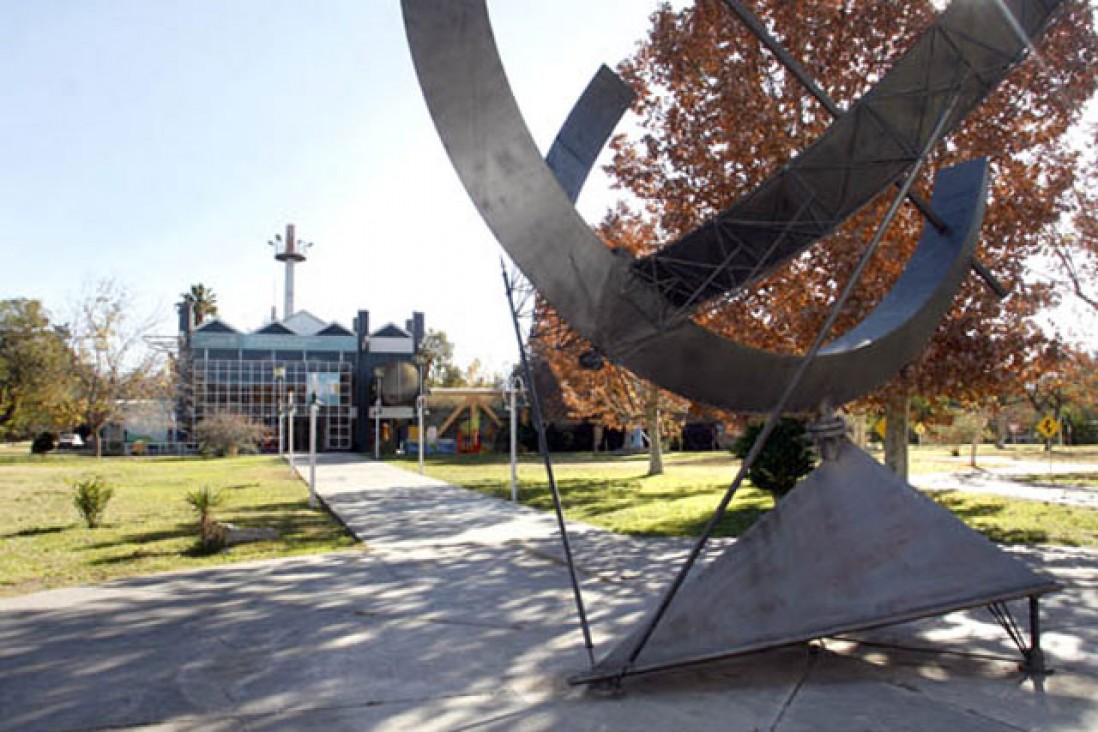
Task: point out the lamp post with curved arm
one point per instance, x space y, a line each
514 385
314 408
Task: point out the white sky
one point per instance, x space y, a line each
163 143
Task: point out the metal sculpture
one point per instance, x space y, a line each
599 292
637 312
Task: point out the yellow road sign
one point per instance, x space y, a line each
1048 427
881 427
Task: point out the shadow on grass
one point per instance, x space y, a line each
967 509
36 531
591 500
271 508
202 549
294 532
134 556
971 511
673 459
734 523
1060 480
179 531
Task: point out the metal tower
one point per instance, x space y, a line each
291 251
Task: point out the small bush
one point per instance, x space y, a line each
43 443
204 501
91 496
228 434
699 436
785 459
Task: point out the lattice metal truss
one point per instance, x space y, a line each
824 184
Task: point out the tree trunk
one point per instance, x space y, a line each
99 444
655 442
1001 429
975 446
896 427
856 425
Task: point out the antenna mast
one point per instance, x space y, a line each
291 252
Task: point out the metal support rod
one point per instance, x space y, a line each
543 448
989 279
775 413
759 31
1034 624
755 25
1035 656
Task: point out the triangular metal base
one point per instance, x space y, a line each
853 547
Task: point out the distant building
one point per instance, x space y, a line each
282 365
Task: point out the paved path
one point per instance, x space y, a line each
1016 479
459 616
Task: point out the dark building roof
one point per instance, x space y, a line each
391 331
216 326
275 329
335 329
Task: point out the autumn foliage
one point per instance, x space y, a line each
716 114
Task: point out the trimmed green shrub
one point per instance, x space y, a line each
91 496
786 458
43 443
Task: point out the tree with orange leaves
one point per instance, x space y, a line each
716 115
606 394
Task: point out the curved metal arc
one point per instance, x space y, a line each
586 130
973 43
517 195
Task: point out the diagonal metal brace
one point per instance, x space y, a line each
775 413
794 67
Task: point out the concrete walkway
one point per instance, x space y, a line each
459 616
1025 479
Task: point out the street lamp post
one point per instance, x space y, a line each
314 408
281 428
378 373
420 362
290 424
280 380
515 385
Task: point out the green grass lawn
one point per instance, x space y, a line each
613 492
148 527
939 458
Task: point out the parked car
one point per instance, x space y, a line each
69 441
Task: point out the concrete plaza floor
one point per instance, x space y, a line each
459 616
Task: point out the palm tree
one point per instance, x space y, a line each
203 302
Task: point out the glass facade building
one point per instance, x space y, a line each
281 367
262 390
